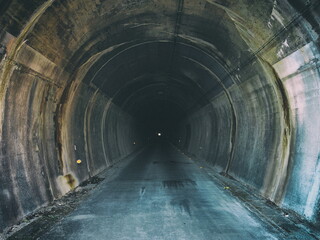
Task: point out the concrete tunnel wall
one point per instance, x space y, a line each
235 83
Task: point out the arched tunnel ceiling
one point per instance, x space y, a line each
177 38
148 42
230 77
128 39
74 31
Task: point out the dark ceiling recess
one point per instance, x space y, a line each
84 84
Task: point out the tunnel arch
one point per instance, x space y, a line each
79 77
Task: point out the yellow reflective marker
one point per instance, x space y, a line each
227 188
79 161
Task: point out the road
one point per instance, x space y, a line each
161 195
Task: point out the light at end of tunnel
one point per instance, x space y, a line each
79 161
134 143
159 134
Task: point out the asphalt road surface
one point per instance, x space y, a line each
161 194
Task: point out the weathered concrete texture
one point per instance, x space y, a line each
301 76
85 83
26 168
91 143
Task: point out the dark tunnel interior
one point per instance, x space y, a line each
162 86
86 84
154 88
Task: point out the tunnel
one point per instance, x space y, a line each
87 84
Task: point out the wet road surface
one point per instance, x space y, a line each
161 194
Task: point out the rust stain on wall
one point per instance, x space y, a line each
70 180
